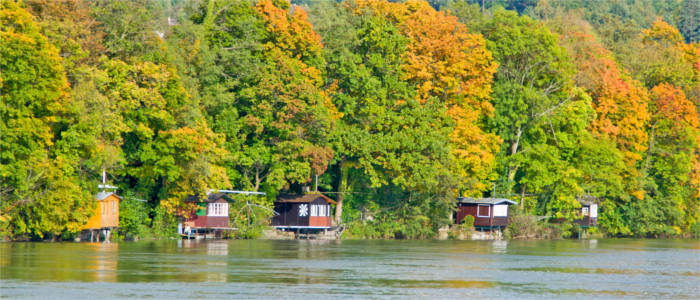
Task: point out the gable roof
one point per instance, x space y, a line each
492 201
302 198
103 195
213 197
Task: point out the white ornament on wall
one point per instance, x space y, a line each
303 210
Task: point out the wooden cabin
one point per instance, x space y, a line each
488 213
588 212
211 213
308 211
105 217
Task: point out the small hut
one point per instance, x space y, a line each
588 212
308 211
209 217
488 213
105 217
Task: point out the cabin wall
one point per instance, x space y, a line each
472 210
210 221
288 215
106 214
320 221
111 216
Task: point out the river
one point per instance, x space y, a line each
385 269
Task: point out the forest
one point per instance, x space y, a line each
397 107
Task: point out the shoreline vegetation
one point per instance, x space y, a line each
392 109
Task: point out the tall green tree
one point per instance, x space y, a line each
260 86
40 193
385 139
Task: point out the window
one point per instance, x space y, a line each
104 208
114 207
594 210
500 210
483 210
218 209
584 211
320 210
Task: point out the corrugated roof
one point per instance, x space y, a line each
103 195
303 198
493 201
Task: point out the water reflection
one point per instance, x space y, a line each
362 269
499 247
103 261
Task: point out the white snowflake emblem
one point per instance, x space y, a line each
303 210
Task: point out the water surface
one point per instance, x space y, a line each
585 269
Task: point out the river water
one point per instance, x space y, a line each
583 269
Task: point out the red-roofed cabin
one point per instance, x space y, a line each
488 213
211 212
309 211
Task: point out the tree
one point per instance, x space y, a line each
387 141
443 60
39 191
689 24
672 154
260 86
533 80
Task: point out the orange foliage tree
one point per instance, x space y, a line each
619 101
445 61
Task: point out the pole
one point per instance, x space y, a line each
316 182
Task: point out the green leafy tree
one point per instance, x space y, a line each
40 193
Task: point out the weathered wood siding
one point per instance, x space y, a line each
475 210
320 221
106 214
211 221
288 214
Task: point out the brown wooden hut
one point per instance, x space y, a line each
308 211
488 213
210 215
588 212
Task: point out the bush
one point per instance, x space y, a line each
467 222
133 218
164 224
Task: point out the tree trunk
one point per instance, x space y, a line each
522 199
257 179
513 170
342 188
650 149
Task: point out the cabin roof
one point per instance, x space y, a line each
302 198
587 200
492 201
103 195
213 197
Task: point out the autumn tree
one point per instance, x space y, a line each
40 193
260 86
390 147
672 154
445 61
